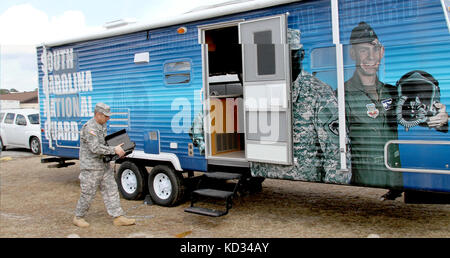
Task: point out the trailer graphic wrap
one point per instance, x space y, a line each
316 142
62 83
397 93
266 89
376 57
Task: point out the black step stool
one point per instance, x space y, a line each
215 178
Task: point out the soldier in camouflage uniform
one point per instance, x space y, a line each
315 131
372 122
97 173
371 114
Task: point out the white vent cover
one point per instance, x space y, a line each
141 58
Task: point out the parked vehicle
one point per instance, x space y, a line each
20 128
224 91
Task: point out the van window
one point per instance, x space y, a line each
9 119
34 119
1 116
177 72
20 120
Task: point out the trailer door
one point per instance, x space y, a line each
266 80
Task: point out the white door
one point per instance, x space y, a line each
9 129
18 137
266 78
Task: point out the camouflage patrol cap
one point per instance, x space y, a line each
293 36
103 108
362 33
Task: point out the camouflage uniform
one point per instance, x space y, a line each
369 134
316 140
95 172
371 121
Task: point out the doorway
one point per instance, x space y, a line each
224 93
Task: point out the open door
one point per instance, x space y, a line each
266 82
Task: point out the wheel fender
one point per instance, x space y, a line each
163 156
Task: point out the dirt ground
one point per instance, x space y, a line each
38 202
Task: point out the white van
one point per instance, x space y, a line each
20 128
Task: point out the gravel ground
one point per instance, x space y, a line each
38 202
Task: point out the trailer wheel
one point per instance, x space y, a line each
254 184
166 186
132 181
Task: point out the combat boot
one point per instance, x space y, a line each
123 221
80 222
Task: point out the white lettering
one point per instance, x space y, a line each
69 58
88 81
84 111
68 105
74 131
193 248
76 106
62 131
50 61
61 85
57 60
181 122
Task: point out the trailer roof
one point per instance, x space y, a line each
199 13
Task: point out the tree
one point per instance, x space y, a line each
4 91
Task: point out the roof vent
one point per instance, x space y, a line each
119 23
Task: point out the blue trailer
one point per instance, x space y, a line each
224 89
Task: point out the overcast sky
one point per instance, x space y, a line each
26 23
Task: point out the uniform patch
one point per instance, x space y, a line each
387 104
334 127
92 132
372 110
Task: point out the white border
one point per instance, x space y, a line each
181 19
340 83
414 170
446 15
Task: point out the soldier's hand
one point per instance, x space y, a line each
440 119
119 151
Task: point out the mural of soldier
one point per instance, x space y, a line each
315 129
371 116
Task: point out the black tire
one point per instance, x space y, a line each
166 186
254 184
2 147
132 181
35 145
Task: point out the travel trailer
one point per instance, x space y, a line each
345 92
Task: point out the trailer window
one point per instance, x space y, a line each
177 72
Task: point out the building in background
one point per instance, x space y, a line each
19 100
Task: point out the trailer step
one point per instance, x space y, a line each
205 211
213 178
213 193
223 175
